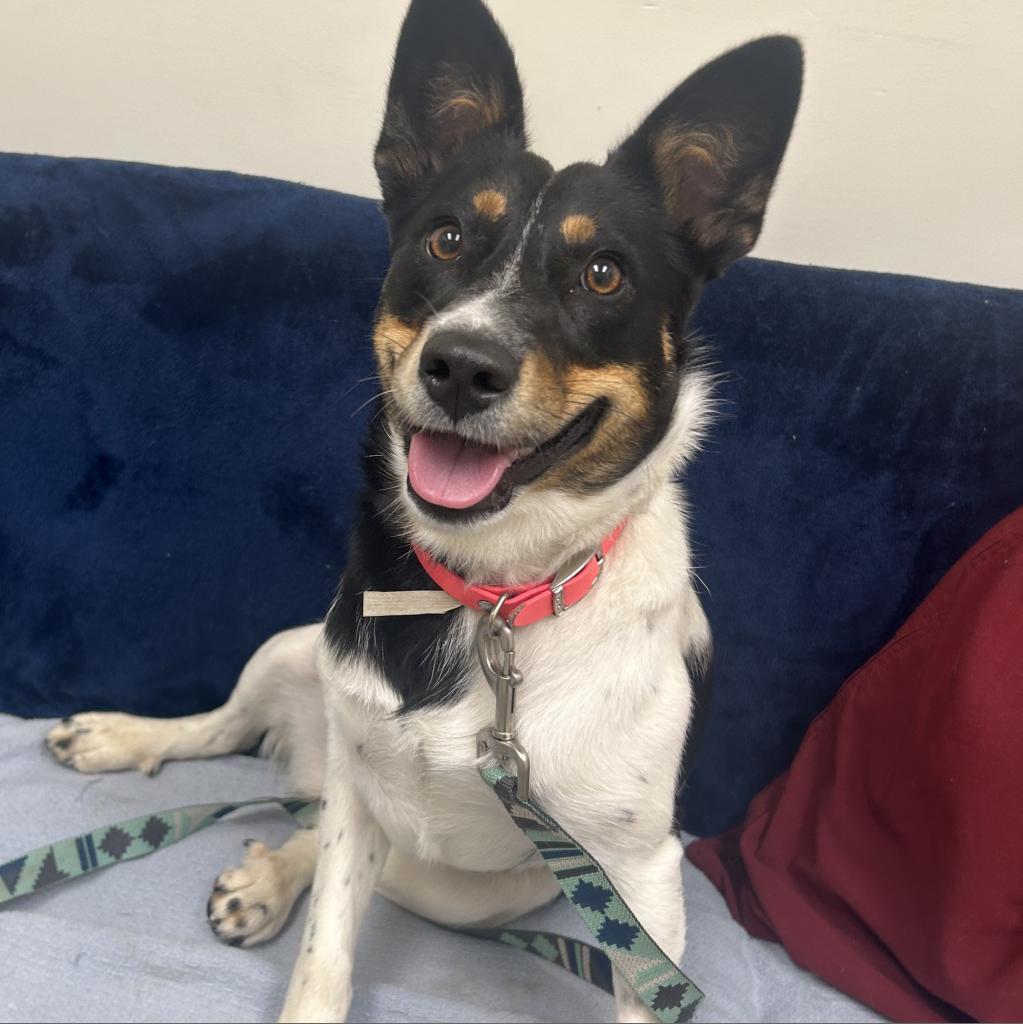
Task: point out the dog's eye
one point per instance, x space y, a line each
445 242
603 275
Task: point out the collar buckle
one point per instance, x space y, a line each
569 569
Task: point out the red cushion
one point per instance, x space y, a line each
889 858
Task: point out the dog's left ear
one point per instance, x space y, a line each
454 78
712 149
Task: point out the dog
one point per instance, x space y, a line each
539 391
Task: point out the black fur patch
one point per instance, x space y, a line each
401 647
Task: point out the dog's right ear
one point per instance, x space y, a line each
711 150
454 78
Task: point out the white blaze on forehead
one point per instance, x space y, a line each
483 311
508 276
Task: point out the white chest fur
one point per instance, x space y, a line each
603 713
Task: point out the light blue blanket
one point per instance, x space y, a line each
132 944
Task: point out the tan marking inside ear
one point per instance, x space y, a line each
692 162
490 203
460 108
391 339
482 110
578 228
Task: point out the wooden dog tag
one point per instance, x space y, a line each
378 603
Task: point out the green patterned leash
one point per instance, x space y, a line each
127 840
624 943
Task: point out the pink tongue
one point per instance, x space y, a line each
447 470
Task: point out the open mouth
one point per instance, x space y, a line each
453 478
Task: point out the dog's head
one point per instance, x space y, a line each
536 374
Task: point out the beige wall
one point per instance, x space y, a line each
906 156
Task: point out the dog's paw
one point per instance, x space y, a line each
250 904
105 742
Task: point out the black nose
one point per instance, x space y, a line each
466 373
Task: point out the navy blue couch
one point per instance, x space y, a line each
184 362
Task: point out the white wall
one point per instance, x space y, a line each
906 156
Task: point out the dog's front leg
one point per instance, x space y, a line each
650 882
353 848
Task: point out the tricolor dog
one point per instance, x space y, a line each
538 396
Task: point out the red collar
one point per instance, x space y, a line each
525 605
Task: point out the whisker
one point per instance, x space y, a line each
433 308
700 580
372 398
365 380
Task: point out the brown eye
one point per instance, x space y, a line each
604 275
445 242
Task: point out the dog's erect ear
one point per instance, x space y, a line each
454 78
712 148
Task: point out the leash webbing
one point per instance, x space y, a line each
623 942
126 840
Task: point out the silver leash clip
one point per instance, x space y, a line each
495 646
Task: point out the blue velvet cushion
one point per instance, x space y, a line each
183 357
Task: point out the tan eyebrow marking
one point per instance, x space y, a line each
490 203
578 228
